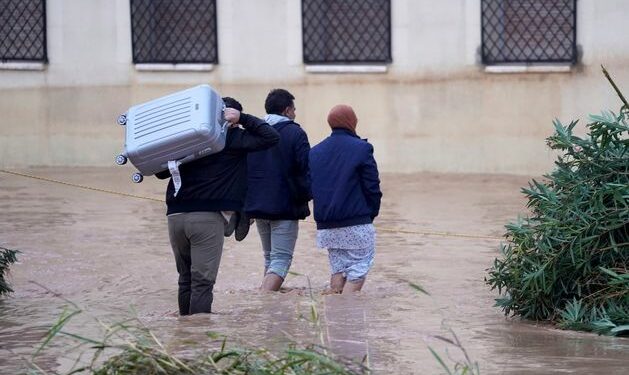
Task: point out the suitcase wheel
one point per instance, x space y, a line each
137 177
122 120
121 159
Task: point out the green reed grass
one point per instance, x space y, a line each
129 347
464 367
7 257
458 367
568 261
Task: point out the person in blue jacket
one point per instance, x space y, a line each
279 188
346 199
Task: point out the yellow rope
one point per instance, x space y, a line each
80 186
442 234
390 230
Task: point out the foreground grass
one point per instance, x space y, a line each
466 366
129 347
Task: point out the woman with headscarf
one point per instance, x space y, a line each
346 199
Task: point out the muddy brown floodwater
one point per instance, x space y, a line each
110 255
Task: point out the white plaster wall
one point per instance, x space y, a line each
431 37
89 42
262 41
434 110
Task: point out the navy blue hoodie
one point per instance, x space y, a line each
345 181
270 195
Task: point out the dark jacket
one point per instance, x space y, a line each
345 182
218 182
279 180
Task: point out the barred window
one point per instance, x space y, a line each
346 31
23 30
528 31
174 31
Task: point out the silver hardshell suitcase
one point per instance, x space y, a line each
180 127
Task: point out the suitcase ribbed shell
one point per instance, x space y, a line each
182 126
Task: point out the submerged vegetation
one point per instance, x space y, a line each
568 261
7 257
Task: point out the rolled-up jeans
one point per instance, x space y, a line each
278 243
197 242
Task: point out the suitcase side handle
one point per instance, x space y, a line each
225 122
186 159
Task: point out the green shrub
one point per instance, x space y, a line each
567 262
7 256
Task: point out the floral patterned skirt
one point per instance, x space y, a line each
351 250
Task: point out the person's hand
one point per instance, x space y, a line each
231 115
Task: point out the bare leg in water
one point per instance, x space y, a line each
337 282
271 282
353 286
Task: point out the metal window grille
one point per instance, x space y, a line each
346 31
528 31
23 30
174 31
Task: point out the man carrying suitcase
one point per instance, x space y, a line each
282 188
212 188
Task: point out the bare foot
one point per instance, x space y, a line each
272 282
172 314
328 291
296 291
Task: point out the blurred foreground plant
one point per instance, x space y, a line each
463 366
568 262
7 256
129 347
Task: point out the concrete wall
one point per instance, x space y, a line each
434 110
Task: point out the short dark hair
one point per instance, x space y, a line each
232 103
277 101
